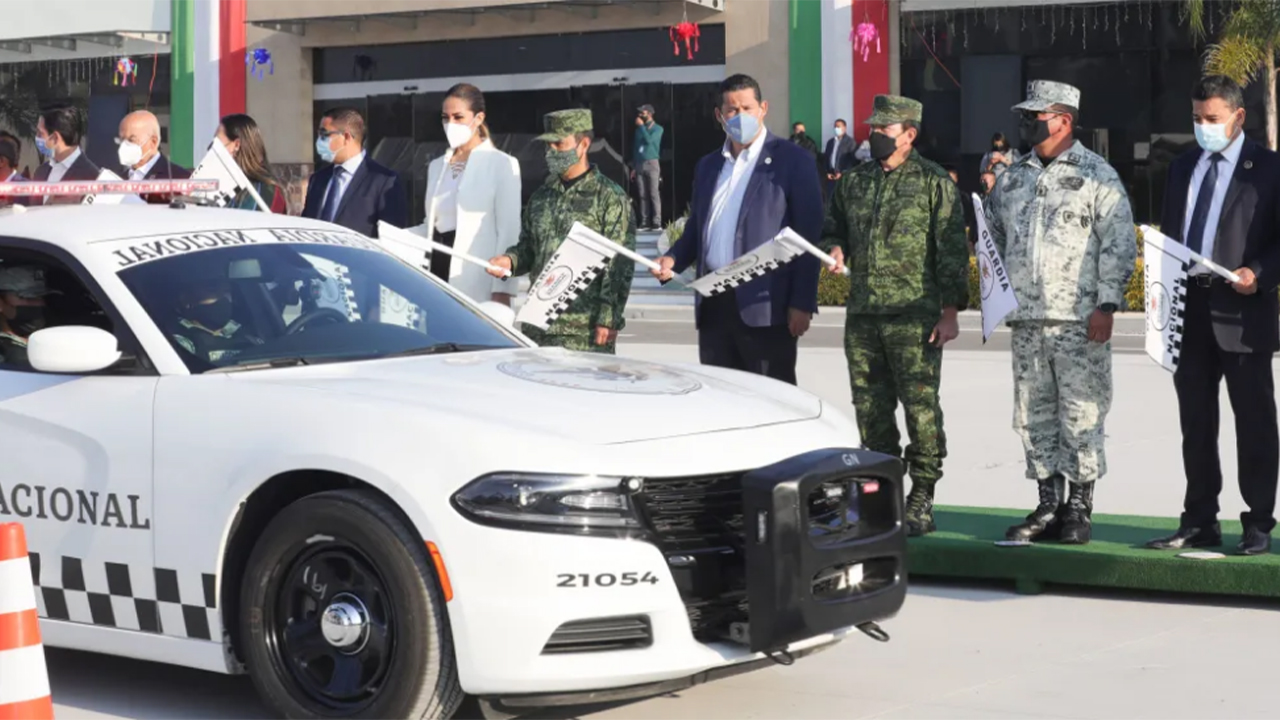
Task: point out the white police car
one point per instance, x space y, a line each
245 442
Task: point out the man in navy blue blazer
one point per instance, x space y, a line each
354 191
744 194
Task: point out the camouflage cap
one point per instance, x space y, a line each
24 281
562 123
1043 94
890 109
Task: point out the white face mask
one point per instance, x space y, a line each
129 154
458 134
839 131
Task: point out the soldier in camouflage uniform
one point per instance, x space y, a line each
899 225
1060 217
576 191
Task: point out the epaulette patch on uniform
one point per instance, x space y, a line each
127 597
1073 158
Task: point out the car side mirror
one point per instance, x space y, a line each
72 349
499 313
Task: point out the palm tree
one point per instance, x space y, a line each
1246 47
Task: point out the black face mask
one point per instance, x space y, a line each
882 146
1034 131
213 316
27 319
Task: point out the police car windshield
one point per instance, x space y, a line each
229 300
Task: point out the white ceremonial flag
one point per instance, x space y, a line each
112 198
998 299
582 256
219 165
759 262
1164 278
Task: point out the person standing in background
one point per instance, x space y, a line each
575 191
9 167
239 134
801 138
899 224
838 158
647 171
58 134
999 158
10 173
355 191
138 149
473 199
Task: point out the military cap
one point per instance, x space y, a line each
24 281
560 124
891 109
1043 94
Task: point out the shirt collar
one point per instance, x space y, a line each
753 150
353 164
69 160
142 171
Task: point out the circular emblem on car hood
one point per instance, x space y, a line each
612 375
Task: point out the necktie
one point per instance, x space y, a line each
331 198
1204 198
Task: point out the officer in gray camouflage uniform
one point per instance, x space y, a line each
1061 219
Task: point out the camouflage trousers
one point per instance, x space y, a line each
891 361
581 342
1061 396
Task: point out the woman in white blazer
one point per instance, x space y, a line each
472 199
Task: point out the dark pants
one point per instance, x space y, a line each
649 179
725 341
439 260
1201 367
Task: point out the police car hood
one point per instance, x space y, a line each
582 397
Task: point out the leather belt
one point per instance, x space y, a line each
1205 280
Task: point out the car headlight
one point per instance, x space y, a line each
556 503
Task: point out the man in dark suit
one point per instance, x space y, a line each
838 158
1223 201
58 134
354 191
140 156
743 195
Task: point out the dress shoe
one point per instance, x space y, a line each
1254 542
1045 522
1190 537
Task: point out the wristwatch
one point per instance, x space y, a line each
1107 308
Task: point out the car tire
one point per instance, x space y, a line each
342 614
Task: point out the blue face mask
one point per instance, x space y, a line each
322 147
42 148
743 128
1212 138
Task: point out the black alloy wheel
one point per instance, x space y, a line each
343 617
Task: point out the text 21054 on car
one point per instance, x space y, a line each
251 443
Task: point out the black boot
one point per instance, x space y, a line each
919 515
1077 525
1045 522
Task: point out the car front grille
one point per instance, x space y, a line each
697 522
601 635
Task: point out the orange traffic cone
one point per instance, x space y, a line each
24 679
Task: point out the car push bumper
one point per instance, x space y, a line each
821 546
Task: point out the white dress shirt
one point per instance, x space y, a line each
141 172
1226 168
344 182
726 203
58 169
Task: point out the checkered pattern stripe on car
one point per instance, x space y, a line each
129 597
735 280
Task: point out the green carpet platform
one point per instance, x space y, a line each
963 548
